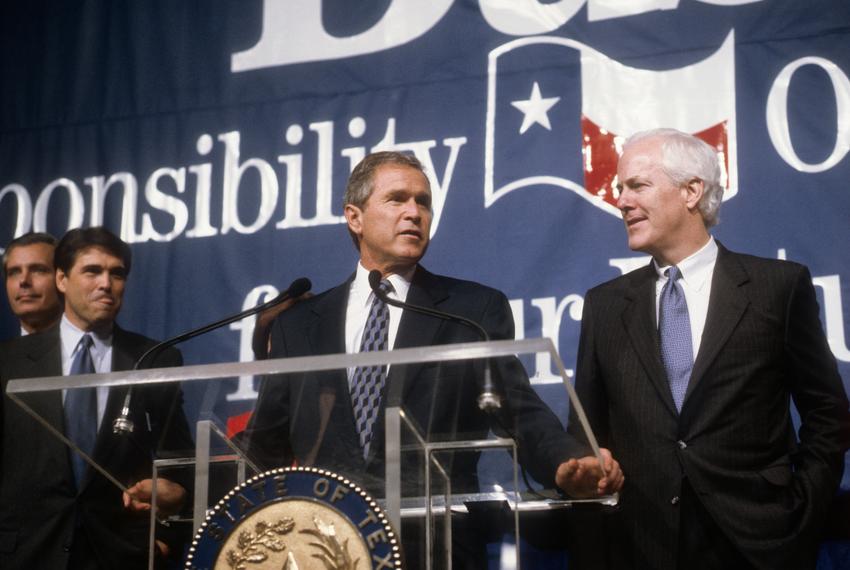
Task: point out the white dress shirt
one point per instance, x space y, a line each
101 353
697 271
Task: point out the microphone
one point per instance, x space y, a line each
123 424
489 400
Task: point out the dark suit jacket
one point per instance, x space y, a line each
38 500
767 488
308 418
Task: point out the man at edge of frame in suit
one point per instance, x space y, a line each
687 368
56 511
315 420
31 282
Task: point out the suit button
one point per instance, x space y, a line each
682 444
66 548
675 500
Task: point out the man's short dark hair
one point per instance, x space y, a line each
30 238
359 186
77 240
361 182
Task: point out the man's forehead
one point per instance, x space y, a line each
30 253
642 157
97 255
394 173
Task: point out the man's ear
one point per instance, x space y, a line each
61 278
694 190
354 218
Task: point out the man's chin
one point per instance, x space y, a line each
412 255
638 242
103 319
22 309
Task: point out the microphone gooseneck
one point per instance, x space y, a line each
488 400
123 424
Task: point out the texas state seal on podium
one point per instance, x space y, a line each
295 519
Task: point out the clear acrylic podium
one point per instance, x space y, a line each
423 474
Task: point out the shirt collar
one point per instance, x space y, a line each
361 291
696 268
71 336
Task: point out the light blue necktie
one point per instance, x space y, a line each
81 410
674 327
368 381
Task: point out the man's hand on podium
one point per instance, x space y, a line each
170 496
582 478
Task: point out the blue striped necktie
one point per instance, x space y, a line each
368 381
674 328
81 410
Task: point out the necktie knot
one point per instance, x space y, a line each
86 342
673 273
82 362
385 286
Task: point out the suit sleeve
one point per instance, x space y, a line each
542 441
819 396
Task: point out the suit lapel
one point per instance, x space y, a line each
123 358
640 322
416 329
726 305
45 357
123 355
326 332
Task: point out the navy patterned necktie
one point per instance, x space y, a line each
674 327
81 410
368 381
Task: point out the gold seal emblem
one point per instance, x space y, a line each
295 519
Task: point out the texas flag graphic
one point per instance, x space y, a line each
560 95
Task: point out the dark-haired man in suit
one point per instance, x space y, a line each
55 510
335 419
687 368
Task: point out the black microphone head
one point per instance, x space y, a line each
374 279
299 287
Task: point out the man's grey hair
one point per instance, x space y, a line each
685 157
361 182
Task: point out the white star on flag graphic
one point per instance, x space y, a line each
535 109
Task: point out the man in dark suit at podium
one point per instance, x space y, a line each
335 419
56 511
687 368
